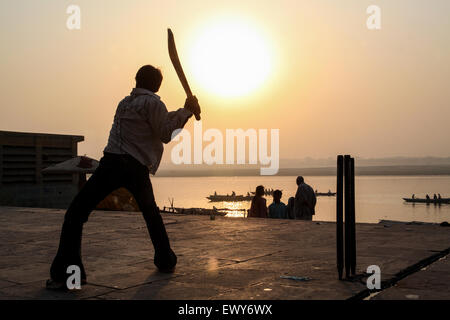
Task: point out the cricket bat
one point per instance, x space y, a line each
178 68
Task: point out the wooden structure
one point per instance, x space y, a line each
22 158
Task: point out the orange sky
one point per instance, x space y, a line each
335 86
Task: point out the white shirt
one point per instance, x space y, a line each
141 125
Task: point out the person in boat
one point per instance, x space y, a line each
135 146
439 196
277 210
413 196
233 193
435 197
428 197
305 200
215 193
258 208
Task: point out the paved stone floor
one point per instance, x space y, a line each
432 282
225 258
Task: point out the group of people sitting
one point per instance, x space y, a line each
300 207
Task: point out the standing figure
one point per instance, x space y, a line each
134 150
305 201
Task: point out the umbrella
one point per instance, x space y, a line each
80 164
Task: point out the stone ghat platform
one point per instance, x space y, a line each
225 258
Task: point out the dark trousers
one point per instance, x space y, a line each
114 171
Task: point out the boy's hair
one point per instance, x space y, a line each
149 77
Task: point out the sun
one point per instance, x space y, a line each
230 58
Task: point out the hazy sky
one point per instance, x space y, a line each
334 86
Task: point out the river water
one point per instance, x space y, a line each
377 197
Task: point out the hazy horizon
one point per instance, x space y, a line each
334 87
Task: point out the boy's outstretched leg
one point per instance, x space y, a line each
102 182
141 188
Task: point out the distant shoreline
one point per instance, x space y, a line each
398 170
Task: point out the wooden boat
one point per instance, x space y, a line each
267 192
325 194
229 198
194 211
431 200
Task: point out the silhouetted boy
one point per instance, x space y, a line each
134 150
278 210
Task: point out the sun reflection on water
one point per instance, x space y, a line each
236 209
